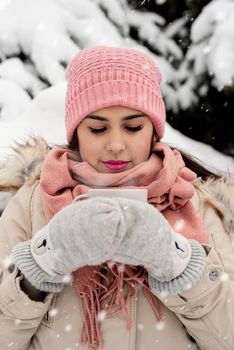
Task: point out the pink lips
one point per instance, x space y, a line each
116 164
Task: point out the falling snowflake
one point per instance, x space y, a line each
110 264
224 277
160 325
53 312
68 328
18 321
140 326
121 267
147 68
179 225
67 279
221 64
160 2
102 315
206 50
163 295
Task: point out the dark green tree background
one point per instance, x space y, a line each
210 120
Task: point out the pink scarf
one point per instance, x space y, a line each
109 286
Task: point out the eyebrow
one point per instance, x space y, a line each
129 117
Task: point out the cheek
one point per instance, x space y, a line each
90 150
142 147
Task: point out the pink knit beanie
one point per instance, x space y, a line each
107 76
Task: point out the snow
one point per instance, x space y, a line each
224 277
102 315
53 312
11 111
44 116
160 2
13 69
160 325
204 153
212 46
140 326
18 321
179 225
68 328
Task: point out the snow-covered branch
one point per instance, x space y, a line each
212 48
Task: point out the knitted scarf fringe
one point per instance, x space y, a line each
106 290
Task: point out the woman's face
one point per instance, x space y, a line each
114 139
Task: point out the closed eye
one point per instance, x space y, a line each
128 128
137 128
97 131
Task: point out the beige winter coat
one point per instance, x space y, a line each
200 318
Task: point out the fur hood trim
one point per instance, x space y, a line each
219 194
24 165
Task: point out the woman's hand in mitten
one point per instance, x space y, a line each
83 233
174 263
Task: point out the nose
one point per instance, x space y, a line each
116 143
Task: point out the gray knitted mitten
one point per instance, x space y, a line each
83 233
174 263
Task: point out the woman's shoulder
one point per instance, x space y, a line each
19 176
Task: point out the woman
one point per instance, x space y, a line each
114 273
